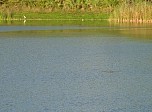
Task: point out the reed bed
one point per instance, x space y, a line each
136 13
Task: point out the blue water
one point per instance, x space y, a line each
82 73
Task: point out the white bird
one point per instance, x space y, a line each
24 17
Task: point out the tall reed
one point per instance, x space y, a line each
137 12
6 13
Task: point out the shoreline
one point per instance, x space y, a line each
60 16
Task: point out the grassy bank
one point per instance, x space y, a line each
114 10
59 16
53 15
53 9
56 9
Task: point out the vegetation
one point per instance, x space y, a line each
119 10
60 16
137 11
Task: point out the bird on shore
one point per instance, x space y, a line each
24 17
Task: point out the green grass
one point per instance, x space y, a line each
60 16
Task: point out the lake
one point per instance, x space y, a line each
79 66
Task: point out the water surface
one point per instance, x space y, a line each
75 68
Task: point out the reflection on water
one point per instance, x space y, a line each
100 69
56 27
